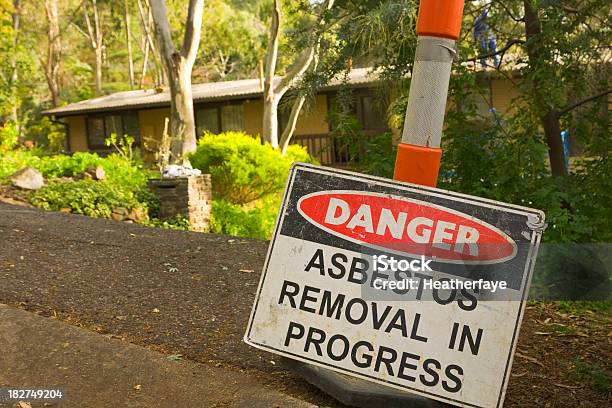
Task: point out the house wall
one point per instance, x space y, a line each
314 120
253 113
77 133
312 124
151 123
503 94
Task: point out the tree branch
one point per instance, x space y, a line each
582 102
160 17
193 30
501 51
307 56
272 51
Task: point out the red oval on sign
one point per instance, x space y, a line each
407 227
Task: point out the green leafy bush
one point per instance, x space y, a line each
242 169
14 160
8 137
234 220
87 197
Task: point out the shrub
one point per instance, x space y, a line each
15 160
242 169
234 220
8 137
87 197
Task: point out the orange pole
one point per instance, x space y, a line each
419 153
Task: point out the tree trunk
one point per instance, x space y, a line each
96 39
128 42
179 65
270 120
291 123
54 51
14 70
550 117
270 111
98 51
273 93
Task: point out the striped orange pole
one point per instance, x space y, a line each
419 153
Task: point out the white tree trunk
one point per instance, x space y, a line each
14 66
54 51
179 65
128 43
274 92
270 121
298 104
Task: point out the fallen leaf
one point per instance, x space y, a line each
246 270
23 404
531 359
566 386
175 357
138 387
155 310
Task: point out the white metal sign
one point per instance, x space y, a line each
412 287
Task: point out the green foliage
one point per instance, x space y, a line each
46 133
8 137
234 220
593 374
14 160
175 223
242 169
87 197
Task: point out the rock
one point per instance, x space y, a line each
138 214
120 214
122 211
117 217
28 179
94 173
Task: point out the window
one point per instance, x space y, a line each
222 118
100 127
207 120
232 118
371 117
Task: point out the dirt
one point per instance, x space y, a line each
191 293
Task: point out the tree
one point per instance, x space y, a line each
96 39
179 65
148 45
54 51
14 69
128 42
275 90
544 71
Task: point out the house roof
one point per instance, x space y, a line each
213 91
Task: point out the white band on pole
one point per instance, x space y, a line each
428 91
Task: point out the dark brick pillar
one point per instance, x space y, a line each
190 197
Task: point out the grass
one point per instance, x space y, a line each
580 308
592 374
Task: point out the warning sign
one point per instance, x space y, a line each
412 287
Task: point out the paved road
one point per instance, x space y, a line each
97 372
172 291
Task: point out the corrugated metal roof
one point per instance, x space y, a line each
243 88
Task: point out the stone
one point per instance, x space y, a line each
94 173
138 214
28 179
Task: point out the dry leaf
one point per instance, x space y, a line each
531 359
247 270
138 387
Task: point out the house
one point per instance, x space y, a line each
238 106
